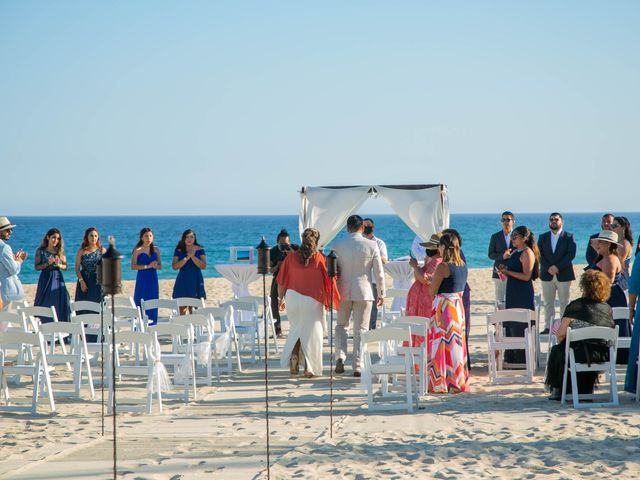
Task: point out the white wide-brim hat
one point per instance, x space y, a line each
608 236
5 224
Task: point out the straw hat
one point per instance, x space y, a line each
432 243
608 236
5 224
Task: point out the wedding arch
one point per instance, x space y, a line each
423 208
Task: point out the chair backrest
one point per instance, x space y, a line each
84 306
392 333
592 333
12 321
239 306
75 328
126 312
190 302
173 329
160 303
192 319
620 313
417 327
46 312
519 315
25 338
120 301
224 315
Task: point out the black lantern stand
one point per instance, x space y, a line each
263 269
332 272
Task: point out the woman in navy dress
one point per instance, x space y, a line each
634 318
50 261
146 260
522 268
189 257
88 257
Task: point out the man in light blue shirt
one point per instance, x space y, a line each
10 264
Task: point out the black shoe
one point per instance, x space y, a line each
357 374
339 366
545 331
556 394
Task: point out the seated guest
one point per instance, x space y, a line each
588 311
304 283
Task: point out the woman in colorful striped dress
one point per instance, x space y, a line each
447 349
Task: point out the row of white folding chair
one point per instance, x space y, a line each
37 368
170 306
498 343
572 368
391 364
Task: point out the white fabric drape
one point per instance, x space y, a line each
240 275
402 275
327 209
425 210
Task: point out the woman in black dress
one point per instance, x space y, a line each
522 268
591 310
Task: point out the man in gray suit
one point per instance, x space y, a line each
357 258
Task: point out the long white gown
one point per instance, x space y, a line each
306 318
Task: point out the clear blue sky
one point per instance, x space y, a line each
230 107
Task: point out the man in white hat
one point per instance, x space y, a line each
10 264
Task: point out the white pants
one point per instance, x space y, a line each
306 318
500 289
549 290
360 310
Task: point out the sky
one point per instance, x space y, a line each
228 108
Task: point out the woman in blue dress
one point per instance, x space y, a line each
522 268
634 317
189 257
146 260
88 257
50 260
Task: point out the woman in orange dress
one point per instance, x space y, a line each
419 299
304 283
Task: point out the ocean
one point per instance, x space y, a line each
217 233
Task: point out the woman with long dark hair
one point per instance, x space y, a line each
304 284
50 261
88 257
189 257
622 226
146 260
522 268
447 346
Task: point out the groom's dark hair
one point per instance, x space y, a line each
354 222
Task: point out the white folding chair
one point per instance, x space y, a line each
608 335
204 346
33 319
151 368
620 315
246 324
388 314
167 308
12 321
271 323
390 365
78 355
419 326
225 337
84 306
498 343
181 357
38 370
193 303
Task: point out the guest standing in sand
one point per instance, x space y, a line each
448 372
189 257
369 227
10 264
605 224
88 258
622 227
609 264
50 261
500 248
588 311
304 285
146 260
522 268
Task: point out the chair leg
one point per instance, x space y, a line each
574 382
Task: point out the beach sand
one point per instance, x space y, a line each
504 431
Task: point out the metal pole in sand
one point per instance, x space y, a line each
332 271
263 269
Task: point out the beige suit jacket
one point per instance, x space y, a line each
357 258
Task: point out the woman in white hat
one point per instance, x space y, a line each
606 246
10 264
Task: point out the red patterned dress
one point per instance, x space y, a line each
419 300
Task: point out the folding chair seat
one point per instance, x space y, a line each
78 355
392 364
225 337
148 364
181 357
38 369
498 343
572 368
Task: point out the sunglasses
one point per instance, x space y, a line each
506 219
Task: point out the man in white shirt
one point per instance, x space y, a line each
369 227
10 286
357 258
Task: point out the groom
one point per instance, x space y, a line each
357 258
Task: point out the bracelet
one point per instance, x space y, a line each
81 279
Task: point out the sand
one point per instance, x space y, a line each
504 431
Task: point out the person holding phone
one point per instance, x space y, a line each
10 264
500 249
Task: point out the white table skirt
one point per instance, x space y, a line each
402 274
240 275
